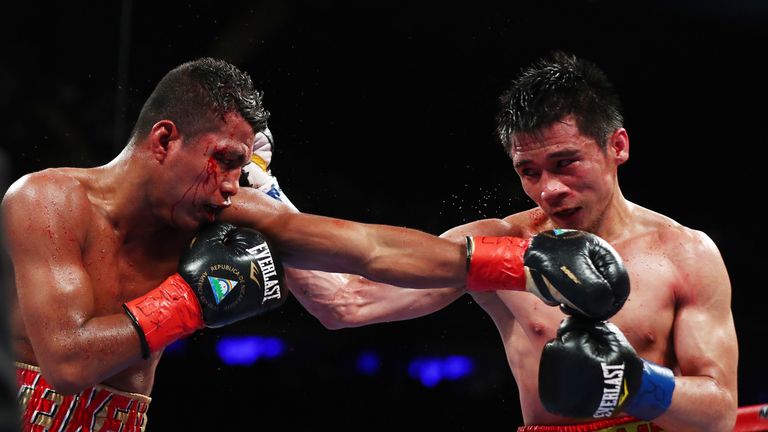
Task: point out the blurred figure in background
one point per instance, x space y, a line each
8 406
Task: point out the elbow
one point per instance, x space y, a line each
333 324
328 320
68 372
67 379
725 423
729 417
334 321
730 411
340 318
725 412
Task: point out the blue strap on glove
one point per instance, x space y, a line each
654 396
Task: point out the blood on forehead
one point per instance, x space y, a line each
237 128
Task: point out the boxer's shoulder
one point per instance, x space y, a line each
48 196
664 233
49 182
686 256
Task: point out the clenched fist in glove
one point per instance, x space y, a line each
227 274
591 370
574 269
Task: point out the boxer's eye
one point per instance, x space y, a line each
229 161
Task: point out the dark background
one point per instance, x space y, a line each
384 113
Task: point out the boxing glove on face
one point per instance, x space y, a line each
572 268
227 274
234 273
591 371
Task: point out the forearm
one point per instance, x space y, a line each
387 254
320 294
700 404
79 357
410 258
343 300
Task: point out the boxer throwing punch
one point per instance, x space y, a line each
109 267
561 124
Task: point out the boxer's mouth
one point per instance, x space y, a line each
566 212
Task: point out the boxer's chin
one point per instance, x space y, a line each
192 220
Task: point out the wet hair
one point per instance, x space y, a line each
196 95
554 87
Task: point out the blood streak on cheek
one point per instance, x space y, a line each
209 173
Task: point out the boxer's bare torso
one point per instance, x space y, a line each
659 255
120 262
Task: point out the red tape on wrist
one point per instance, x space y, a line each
496 263
167 313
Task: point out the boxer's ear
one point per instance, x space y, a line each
161 137
618 146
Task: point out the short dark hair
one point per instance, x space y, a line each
554 87
197 94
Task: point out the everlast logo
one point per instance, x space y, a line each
267 267
613 376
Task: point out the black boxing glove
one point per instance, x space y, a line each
591 370
575 269
227 274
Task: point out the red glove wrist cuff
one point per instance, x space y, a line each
165 314
496 263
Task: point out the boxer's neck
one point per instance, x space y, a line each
613 222
121 190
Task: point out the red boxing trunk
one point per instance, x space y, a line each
98 408
616 424
167 313
496 263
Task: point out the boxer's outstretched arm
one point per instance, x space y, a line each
705 395
382 253
344 300
340 301
347 300
414 259
45 216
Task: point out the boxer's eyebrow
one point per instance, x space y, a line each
519 163
563 153
560 154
